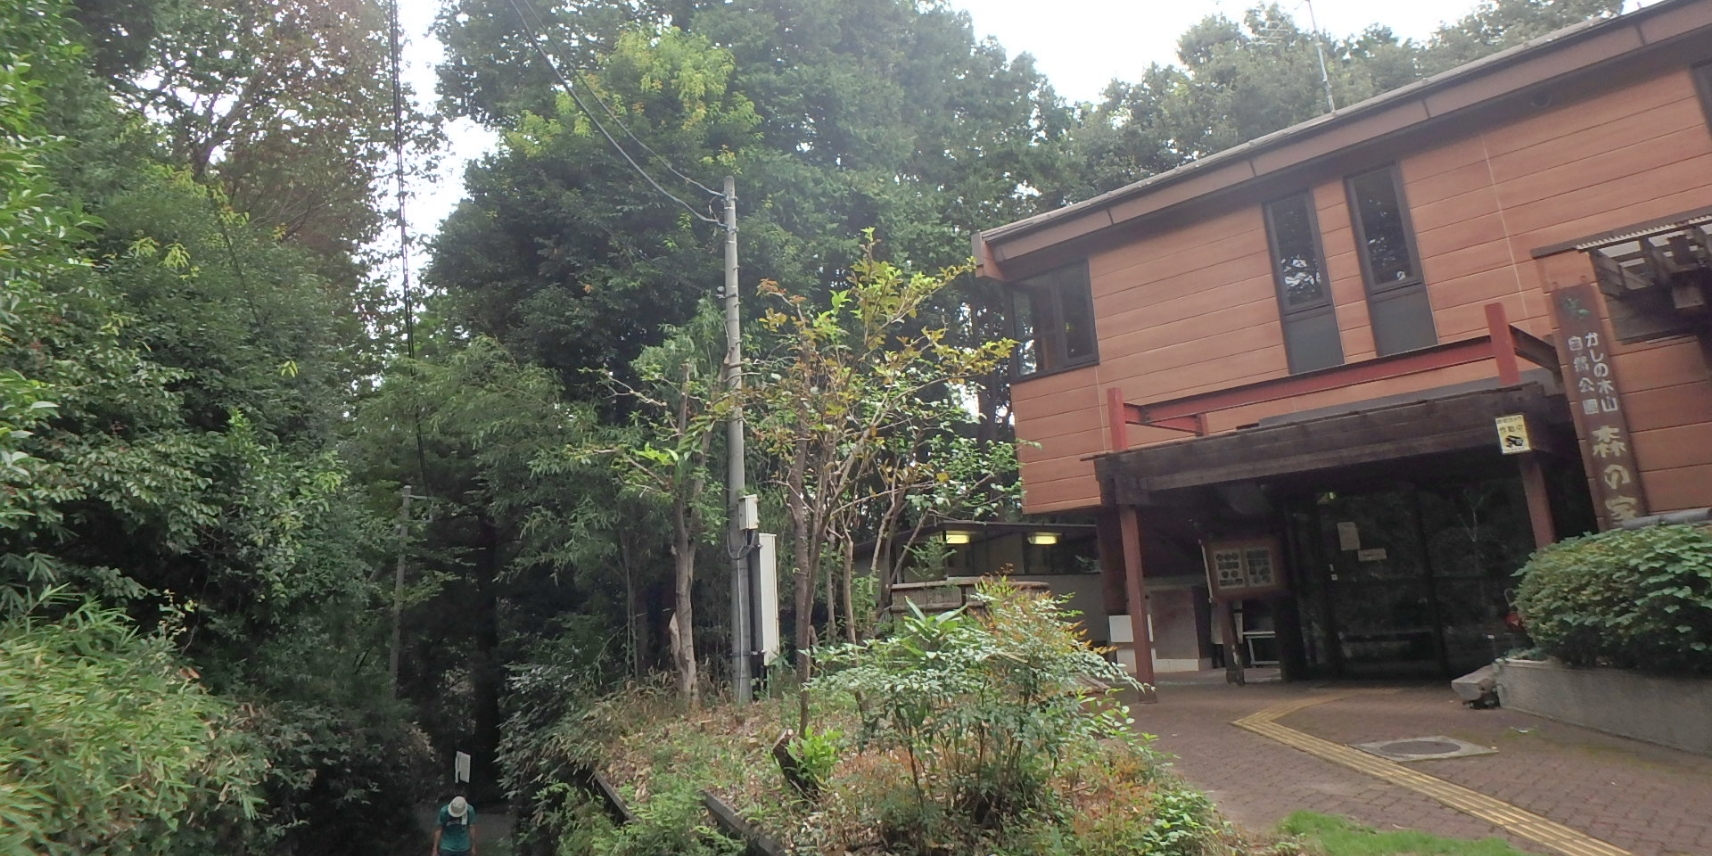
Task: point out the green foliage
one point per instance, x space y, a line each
862 406
1337 836
816 754
110 745
989 708
1240 78
1637 599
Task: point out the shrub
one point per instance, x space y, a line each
1639 599
109 745
987 708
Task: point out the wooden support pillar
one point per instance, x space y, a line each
1539 500
1135 587
1234 673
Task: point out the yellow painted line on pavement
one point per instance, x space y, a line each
1518 822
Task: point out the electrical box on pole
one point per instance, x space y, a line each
766 599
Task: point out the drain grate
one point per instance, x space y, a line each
1425 749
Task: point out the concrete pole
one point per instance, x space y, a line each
734 482
398 587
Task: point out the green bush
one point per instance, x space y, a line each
988 709
108 745
1635 599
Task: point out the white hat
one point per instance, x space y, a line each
458 807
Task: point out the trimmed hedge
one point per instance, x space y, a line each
1635 599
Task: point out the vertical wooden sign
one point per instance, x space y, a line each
1591 382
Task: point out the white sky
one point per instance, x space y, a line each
1079 45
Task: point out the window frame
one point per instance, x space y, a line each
1326 305
1390 338
1052 350
1418 279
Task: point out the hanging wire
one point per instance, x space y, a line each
565 83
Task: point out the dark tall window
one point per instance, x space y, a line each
1396 294
1054 320
1304 296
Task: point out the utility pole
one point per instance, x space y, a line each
738 544
1325 79
398 586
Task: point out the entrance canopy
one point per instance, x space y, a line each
1425 423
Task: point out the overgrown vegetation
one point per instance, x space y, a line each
995 731
1635 599
109 746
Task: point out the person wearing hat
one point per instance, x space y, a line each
455 835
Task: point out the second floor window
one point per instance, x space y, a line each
1384 238
1054 321
1304 296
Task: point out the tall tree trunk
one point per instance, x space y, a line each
683 610
802 576
631 609
487 675
849 589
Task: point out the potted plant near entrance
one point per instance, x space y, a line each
1625 619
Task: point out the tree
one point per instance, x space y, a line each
663 457
286 106
1237 80
1498 24
853 390
565 255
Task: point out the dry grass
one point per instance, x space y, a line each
726 749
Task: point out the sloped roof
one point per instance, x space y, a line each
1571 52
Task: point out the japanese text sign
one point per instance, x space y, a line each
1598 405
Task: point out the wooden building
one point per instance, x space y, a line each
1282 374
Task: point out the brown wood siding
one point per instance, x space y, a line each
1193 309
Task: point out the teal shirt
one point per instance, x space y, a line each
455 831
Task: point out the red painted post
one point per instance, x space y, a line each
1539 499
1117 418
1503 345
1135 587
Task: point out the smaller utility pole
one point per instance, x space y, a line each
738 541
398 586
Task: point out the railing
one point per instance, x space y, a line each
1502 343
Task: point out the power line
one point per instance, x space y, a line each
625 128
534 41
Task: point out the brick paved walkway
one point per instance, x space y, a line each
1646 799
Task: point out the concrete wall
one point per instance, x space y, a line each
1674 712
1085 597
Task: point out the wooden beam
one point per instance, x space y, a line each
1397 365
1135 589
1539 500
1688 296
1535 350
1503 344
1614 279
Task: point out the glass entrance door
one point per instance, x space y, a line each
1379 590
